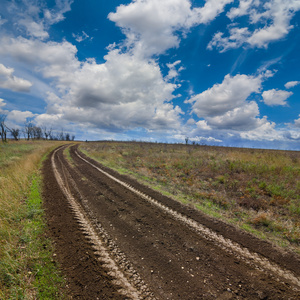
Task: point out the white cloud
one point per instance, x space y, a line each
80 37
125 92
18 117
54 59
291 84
209 11
205 139
224 97
11 82
33 16
202 125
276 97
14 118
242 10
150 26
34 29
240 118
265 132
297 122
173 72
2 103
56 14
235 40
226 106
271 19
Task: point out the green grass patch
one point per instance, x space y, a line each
47 280
11 152
27 268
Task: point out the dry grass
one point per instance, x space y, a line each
21 220
258 190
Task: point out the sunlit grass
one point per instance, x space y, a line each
27 270
257 190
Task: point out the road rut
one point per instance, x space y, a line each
116 239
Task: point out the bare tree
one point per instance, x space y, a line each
37 132
3 127
28 131
61 135
47 132
15 132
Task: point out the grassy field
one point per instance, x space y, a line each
27 268
256 190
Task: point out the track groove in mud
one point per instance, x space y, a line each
225 244
169 248
118 277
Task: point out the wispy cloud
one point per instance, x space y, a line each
80 37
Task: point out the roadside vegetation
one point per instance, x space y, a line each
256 190
27 267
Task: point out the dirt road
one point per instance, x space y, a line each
116 239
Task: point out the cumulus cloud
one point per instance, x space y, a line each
276 97
18 117
226 106
240 118
11 82
125 92
202 125
151 26
14 117
297 122
271 19
221 98
265 132
291 84
52 58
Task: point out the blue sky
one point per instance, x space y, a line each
220 72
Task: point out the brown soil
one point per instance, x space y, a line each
162 257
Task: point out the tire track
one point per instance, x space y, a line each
127 288
137 246
251 258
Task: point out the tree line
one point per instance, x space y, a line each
31 131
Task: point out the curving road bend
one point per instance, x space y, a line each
116 239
